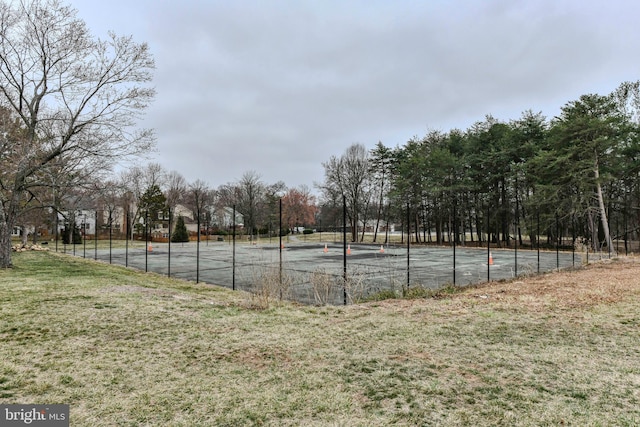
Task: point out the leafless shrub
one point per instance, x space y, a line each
323 285
356 286
271 284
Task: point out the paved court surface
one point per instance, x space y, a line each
369 269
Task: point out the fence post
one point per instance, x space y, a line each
57 228
408 245
624 221
198 247
517 237
455 238
110 235
557 242
573 241
95 243
344 249
488 242
280 243
169 246
538 238
233 258
146 241
126 239
84 236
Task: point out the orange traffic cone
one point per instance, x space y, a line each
282 246
348 249
490 259
325 248
381 249
150 248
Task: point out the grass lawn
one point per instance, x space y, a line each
124 348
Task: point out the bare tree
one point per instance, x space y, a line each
176 189
110 200
348 176
251 195
199 199
137 181
226 196
75 100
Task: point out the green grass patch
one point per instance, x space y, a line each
123 347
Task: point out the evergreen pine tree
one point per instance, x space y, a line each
180 234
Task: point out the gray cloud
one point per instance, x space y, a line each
278 87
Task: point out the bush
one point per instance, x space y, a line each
382 295
307 231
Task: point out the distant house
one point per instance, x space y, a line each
84 219
223 218
112 217
161 226
17 231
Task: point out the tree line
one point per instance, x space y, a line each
151 194
575 175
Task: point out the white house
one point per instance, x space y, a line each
17 231
223 217
84 219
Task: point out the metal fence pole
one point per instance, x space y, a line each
517 237
455 238
95 243
169 247
84 237
557 243
538 238
624 220
488 242
344 249
57 229
573 241
146 241
126 239
233 262
198 249
110 235
280 247
408 247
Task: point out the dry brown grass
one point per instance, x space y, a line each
605 282
126 348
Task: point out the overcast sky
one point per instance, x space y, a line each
277 87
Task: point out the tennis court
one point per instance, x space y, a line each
314 272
